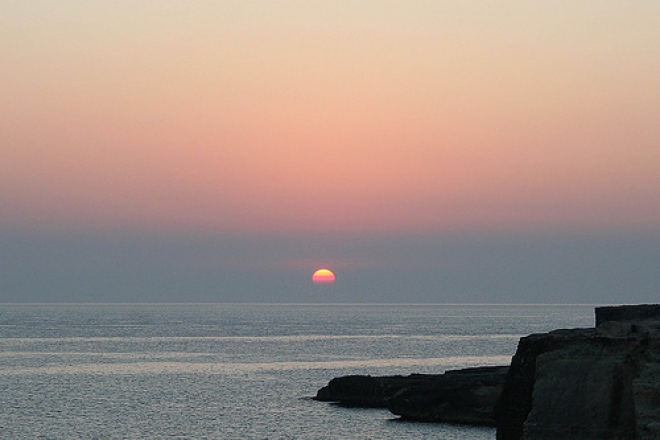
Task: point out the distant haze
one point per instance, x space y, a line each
425 151
488 268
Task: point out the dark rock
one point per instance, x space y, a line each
601 383
579 384
627 313
457 396
365 391
516 400
583 392
462 396
368 391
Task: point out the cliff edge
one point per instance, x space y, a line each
598 383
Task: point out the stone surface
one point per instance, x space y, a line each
582 395
601 383
515 403
370 391
627 313
362 391
462 396
457 396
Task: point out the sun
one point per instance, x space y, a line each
323 276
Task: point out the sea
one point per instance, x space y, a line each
240 371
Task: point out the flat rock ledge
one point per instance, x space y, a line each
576 384
465 396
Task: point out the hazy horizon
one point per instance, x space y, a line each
486 268
425 151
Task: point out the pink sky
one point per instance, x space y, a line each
263 116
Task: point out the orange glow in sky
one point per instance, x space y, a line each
323 276
258 116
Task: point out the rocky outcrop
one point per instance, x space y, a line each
366 391
460 396
600 383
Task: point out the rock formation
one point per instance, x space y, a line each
601 383
579 384
365 391
459 396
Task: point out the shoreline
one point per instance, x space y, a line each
598 383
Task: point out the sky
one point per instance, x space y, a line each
426 151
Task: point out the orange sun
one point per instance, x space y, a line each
323 276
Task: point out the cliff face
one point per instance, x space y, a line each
580 384
601 383
515 402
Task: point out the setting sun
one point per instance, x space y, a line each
323 276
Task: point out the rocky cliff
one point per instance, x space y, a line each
599 383
578 384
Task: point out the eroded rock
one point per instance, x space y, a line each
457 396
578 384
462 396
601 383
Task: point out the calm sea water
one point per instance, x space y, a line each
231 371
